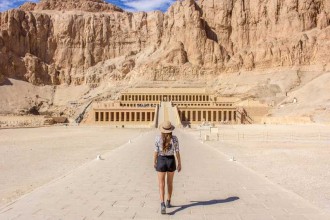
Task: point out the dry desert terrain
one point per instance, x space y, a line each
294 156
32 157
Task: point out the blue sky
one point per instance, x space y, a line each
129 5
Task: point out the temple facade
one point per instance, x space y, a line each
182 106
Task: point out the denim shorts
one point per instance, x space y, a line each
166 163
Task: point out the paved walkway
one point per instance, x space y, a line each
124 186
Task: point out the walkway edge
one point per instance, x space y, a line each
79 167
261 176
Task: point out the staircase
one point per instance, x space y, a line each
243 117
167 112
81 115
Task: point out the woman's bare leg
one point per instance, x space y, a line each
170 176
161 181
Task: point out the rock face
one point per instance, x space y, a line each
2 78
82 41
87 5
270 33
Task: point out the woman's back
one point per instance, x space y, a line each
159 143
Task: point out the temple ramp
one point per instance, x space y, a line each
160 115
167 112
174 117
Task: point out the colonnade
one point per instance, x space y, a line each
194 108
130 104
165 97
208 115
204 104
124 116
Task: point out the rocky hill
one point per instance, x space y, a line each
59 41
89 42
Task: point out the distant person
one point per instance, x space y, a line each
166 145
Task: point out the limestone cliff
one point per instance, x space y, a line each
85 5
85 41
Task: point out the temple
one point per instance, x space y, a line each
148 107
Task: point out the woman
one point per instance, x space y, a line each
166 145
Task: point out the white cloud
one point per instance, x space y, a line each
147 5
130 5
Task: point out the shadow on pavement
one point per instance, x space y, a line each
197 203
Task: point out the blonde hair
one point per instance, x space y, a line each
166 137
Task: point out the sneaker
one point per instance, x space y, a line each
168 203
162 208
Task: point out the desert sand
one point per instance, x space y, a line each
294 156
32 157
124 186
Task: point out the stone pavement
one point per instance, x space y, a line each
124 186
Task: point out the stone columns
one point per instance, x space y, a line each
127 117
96 116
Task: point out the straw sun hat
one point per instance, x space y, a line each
166 127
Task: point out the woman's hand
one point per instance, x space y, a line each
155 159
179 167
178 157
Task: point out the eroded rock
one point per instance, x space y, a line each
68 41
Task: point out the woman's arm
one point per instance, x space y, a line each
179 160
155 159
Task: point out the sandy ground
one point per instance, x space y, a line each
32 157
11 121
295 157
17 95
